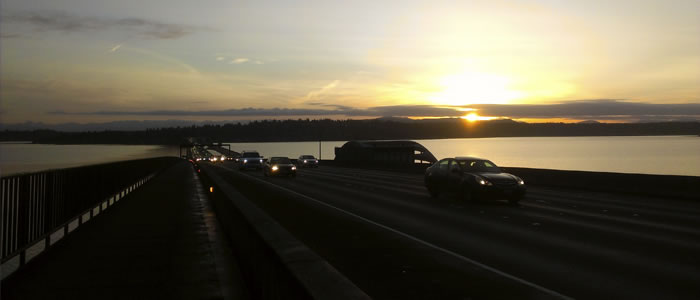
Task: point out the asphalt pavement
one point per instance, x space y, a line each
387 235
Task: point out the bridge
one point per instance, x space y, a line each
173 229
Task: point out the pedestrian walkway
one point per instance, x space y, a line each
156 243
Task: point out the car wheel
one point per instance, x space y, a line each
434 192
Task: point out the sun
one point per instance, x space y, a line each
474 88
473 117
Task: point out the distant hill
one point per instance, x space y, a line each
342 130
116 125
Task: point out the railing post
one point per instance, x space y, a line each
49 218
22 218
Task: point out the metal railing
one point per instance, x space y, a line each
35 205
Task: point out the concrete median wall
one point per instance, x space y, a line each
686 187
275 264
671 186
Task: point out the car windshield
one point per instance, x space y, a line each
307 156
280 160
251 154
479 166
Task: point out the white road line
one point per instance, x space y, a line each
454 254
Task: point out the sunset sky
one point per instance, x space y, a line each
100 61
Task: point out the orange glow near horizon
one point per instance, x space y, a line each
563 120
473 117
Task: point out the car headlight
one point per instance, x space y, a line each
521 182
274 168
245 161
483 181
294 168
305 161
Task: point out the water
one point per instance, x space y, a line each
674 155
670 155
23 157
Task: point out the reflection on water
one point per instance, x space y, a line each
677 155
674 155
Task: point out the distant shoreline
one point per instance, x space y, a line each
288 141
345 130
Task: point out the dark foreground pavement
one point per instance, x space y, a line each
159 242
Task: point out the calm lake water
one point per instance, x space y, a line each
23 157
675 155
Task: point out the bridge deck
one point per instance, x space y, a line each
159 242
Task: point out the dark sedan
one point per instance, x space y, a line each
279 166
308 161
472 178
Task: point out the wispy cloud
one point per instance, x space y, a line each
59 21
115 48
239 60
317 94
10 35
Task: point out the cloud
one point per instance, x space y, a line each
59 21
317 94
10 35
583 109
336 106
115 48
608 109
240 60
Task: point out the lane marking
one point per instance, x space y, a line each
415 239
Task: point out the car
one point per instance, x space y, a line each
279 166
473 178
250 160
307 161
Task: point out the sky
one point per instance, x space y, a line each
101 61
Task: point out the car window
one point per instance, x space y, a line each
280 160
251 154
454 165
443 164
479 166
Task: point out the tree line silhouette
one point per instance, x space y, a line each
343 130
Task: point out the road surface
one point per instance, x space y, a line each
383 231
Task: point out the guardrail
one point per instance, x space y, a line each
35 205
276 265
668 186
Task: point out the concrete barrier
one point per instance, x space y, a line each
670 186
274 263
